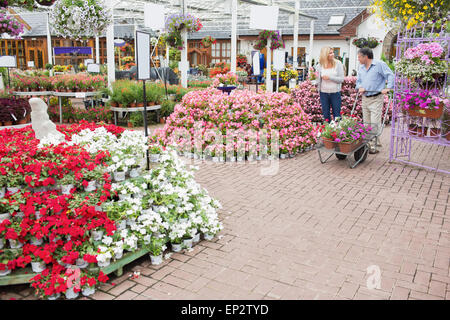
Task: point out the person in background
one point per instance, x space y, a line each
331 76
371 83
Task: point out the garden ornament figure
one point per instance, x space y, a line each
40 121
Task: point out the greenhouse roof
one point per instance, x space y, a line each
216 16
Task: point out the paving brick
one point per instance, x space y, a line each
118 289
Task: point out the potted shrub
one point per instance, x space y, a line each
5 257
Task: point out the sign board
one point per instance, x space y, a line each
93 67
8 61
255 63
31 64
279 60
263 17
80 95
88 61
143 55
154 16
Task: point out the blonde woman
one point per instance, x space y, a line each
331 76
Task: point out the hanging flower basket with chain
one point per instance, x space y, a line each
176 23
261 42
79 19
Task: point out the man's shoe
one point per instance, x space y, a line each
373 151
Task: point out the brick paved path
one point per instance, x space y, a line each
309 232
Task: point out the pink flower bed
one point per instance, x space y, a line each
246 112
309 99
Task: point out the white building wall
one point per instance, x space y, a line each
372 27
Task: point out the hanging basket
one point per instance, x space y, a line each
427 113
80 20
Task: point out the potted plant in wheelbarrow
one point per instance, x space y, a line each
350 134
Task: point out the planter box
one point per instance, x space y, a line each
427 113
329 144
347 147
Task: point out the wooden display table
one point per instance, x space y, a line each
156 108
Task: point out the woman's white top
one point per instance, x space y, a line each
329 86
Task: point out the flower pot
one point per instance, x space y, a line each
5 272
119 176
37 266
7 123
80 263
422 131
196 238
22 121
239 158
71 294
435 133
54 296
20 215
215 159
232 159
104 264
2 192
91 186
154 157
36 242
208 236
121 225
329 144
283 155
88 291
4 216
2 243
346 147
96 235
187 243
65 189
15 244
412 129
162 120
427 113
130 124
12 190
125 197
176 247
118 253
135 172
156 259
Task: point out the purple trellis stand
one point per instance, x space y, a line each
401 138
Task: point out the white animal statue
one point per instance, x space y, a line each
40 121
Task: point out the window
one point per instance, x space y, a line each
221 51
336 20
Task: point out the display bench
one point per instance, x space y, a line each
60 95
24 275
156 108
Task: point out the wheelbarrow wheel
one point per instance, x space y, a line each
341 156
362 152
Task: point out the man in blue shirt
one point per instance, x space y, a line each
371 83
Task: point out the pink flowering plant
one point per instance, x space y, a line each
228 79
240 119
424 61
10 25
422 100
